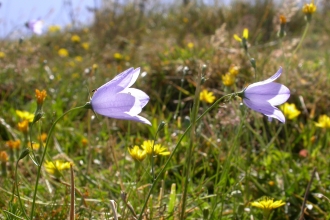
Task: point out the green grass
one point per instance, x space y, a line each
236 156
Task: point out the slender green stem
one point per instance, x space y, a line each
302 39
226 167
176 147
178 107
189 155
18 196
72 205
44 153
161 125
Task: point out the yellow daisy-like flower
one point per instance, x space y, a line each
42 137
78 58
290 111
118 56
34 146
2 55
309 9
41 96
63 52
95 66
157 149
206 96
190 45
137 153
228 79
324 122
233 70
75 38
55 168
267 203
245 35
84 142
13 144
25 115
3 156
23 126
282 19
85 45
54 28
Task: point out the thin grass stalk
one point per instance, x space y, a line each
302 212
222 183
301 40
176 147
178 107
18 196
44 153
189 152
72 204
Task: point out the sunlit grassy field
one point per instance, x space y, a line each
204 156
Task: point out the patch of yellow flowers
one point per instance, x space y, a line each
147 148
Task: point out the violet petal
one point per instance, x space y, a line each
274 93
265 108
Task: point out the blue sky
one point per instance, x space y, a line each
14 14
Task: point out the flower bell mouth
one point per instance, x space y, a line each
265 95
116 99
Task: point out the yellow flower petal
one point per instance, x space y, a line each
245 33
237 38
206 96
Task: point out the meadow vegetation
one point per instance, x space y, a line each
232 163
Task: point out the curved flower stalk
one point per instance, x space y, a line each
116 100
263 96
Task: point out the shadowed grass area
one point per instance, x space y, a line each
236 156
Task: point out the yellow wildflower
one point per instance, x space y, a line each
271 183
70 63
84 142
85 45
282 19
324 122
156 149
267 203
75 38
245 35
137 153
63 52
233 70
190 45
42 137
23 126
118 56
41 96
56 167
13 144
95 66
281 32
2 55
185 20
78 58
309 9
54 28
3 156
206 96
228 79
34 146
25 115
290 110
